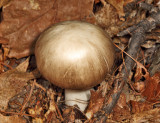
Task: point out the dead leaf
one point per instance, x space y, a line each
118 4
95 103
22 24
69 115
121 111
141 71
149 44
96 1
3 40
72 114
139 86
4 2
12 81
138 107
11 119
107 18
151 116
51 114
152 89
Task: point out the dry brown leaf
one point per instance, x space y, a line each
11 119
138 107
141 71
12 81
139 86
152 89
118 4
22 24
73 114
107 18
4 2
51 114
149 44
95 103
151 116
96 1
121 111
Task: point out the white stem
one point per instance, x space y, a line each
77 97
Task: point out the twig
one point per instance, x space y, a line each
17 113
138 37
40 86
6 65
29 96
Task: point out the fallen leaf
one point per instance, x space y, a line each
107 18
95 103
24 20
152 89
121 111
51 114
118 4
149 44
151 116
12 81
11 119
139 86
138 107
141 71
4 2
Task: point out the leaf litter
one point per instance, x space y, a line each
21 96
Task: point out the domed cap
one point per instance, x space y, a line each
74 54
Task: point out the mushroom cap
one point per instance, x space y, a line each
74 54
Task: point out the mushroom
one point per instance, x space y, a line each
75 56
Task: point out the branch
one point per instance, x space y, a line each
138 37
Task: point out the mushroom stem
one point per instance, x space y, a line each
77 97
